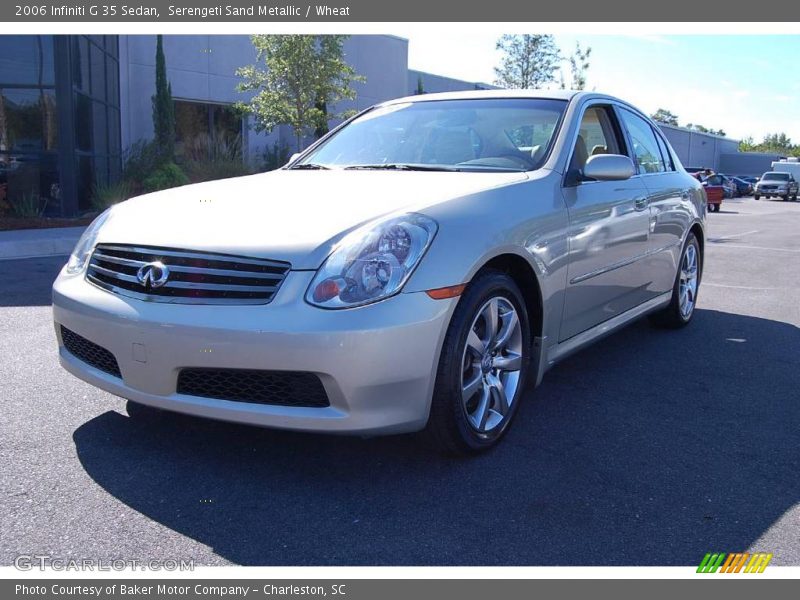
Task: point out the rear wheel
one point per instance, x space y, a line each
680 310
482 369
756 197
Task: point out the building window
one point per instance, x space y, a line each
95 89
205 131
28 122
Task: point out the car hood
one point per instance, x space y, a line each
290 215
778 182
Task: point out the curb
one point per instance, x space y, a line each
34 243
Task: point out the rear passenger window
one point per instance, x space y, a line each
670 166
645 145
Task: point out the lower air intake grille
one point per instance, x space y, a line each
280 388
89 352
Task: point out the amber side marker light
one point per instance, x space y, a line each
446 292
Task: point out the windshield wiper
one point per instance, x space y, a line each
310 167
401 167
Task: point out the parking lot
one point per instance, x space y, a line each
651 448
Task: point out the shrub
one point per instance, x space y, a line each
106 194
141 160
168 175
217 147
28 205
209 170
208 158
275 156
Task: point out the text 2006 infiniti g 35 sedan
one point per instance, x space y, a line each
412 270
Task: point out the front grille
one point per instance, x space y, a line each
193 277
89 352
281 388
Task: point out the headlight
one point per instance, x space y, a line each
372 263
83 249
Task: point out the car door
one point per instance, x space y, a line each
668 199
608 230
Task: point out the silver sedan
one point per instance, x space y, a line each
413 270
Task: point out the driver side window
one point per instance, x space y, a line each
597 135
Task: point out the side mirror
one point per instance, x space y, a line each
609 167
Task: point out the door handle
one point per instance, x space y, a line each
640 203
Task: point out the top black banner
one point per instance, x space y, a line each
352 11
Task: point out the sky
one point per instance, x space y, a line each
746 85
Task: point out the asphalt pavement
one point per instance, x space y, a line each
650 448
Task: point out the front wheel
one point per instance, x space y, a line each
482 368
756 197
681 307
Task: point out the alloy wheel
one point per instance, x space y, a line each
491 364
688 281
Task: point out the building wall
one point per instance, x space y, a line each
202 68
432 84
697 149
754 164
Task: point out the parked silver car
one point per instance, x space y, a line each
414 269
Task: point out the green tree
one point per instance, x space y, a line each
420 88
163 107
662 115
747 144
579 66
703 129
777 142
773 143
529 61
297 80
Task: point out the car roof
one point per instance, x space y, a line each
484 94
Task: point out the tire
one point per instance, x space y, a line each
756 197
785 198
467 413
673 316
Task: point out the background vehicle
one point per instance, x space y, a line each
730 187
788 165
715 193
777 184
743 188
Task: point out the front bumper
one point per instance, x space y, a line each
772 192
377 363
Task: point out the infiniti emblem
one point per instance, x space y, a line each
153 275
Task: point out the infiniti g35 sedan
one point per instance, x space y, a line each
414 270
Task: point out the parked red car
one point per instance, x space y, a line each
715 193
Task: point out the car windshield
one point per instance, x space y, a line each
775 177
512 134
